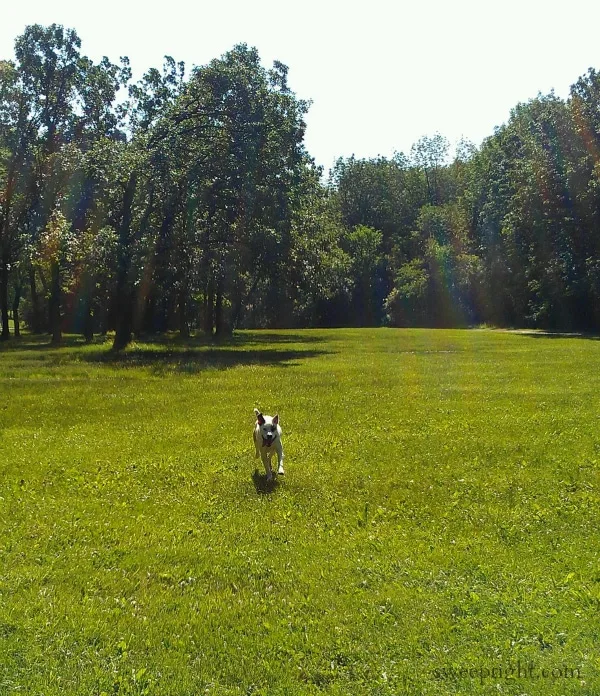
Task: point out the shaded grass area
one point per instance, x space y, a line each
169 353
436 520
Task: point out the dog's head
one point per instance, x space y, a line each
268 427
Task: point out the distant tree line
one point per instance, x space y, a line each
192 204
507 234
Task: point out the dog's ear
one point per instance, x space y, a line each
276 419
259 417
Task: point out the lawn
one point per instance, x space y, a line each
436 531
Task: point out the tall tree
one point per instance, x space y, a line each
136 190
17 137
243 129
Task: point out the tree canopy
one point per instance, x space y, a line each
193 204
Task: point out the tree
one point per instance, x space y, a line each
194 204
363 246
55 260
136 190
16 139
406 305
54 104
429 155
534 218
318 282
237 133
438 284
380 193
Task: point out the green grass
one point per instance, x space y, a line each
440 512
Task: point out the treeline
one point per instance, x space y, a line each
185 205
192 204
508 234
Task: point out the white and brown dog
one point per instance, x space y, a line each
267 439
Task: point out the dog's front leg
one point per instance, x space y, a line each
256 445
279 449
266 459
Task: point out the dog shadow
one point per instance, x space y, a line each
262 485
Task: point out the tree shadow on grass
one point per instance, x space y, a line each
193 361
169 353
263 337
559 334
42 342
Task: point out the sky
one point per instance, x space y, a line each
380 74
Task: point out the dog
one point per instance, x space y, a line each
267 439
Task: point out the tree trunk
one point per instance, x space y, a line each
222 325
241 300
4 297
219 318
88 318
5 236
209 302
236 308
88 324
184 329
15 309
124 327
54 304
36 310
125 293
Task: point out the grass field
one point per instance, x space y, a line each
437 526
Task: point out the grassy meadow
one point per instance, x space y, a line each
436 531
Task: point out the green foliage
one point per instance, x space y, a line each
412 279
364 244
218 214
319 277
405 304
430 155
364 247
536 216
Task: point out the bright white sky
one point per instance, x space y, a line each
381 74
